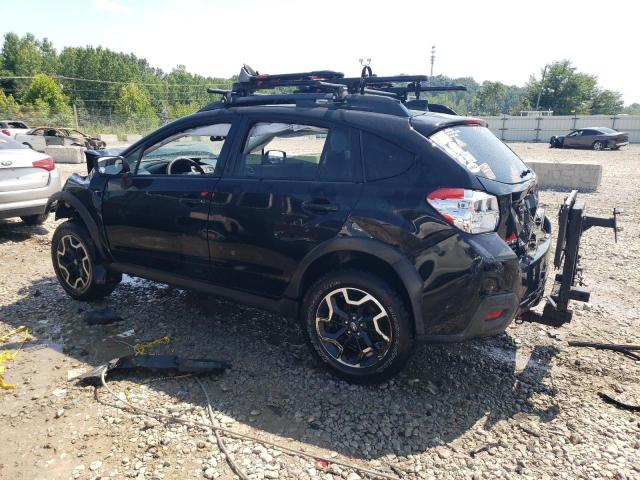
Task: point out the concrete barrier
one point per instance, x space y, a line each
108 138
131 138
62 154
585 177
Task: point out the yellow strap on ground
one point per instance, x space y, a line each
8 356
141 348
15 331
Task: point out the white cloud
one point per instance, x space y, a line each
110 6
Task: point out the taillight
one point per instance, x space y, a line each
492 315
47 163
6 132
469 210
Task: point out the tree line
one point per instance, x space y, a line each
45 85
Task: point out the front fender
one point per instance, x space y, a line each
404 269
56 202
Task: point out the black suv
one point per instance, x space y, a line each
340 204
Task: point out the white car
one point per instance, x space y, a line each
27 180
12 128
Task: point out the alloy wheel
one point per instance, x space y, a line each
353 327
74 262
597 146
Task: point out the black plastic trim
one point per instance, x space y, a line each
86 218
395 259
284 306
478 327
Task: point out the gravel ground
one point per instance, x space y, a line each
519 405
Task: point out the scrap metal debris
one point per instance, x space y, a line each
625 349
154 362
618 403
102 316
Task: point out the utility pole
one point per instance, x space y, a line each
544 73
75 115
433 60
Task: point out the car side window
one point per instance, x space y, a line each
299 152
383 159
190 152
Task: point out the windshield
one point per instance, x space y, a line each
480 152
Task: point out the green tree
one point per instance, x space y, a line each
134 107
633 109
565 91
607 102
26 56
43 91
491 99
8 105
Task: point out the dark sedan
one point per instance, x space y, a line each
597 138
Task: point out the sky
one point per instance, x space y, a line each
503 41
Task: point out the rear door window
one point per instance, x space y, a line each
299 152
383 159
480 152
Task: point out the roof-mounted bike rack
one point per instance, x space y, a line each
327 86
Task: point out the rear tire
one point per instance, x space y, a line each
598 145
35 219
358 326
74 259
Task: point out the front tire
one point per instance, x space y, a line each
74 260
358 326
34 220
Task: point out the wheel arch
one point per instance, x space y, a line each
66 205
367 255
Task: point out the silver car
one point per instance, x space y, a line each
27 180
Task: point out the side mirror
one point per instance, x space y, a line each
113 166
274 157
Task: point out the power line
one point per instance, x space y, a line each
162 83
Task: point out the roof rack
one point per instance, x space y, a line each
366 92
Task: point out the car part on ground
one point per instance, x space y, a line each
27 181
168 363
377 225
102 316
627 350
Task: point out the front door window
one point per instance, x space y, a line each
191 152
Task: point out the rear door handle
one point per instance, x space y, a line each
318 206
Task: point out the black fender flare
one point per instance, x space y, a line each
401 265
85 216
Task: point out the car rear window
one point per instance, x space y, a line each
481 152
17 125
7 143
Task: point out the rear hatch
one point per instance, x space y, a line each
503 174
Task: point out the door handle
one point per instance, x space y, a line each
319 206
